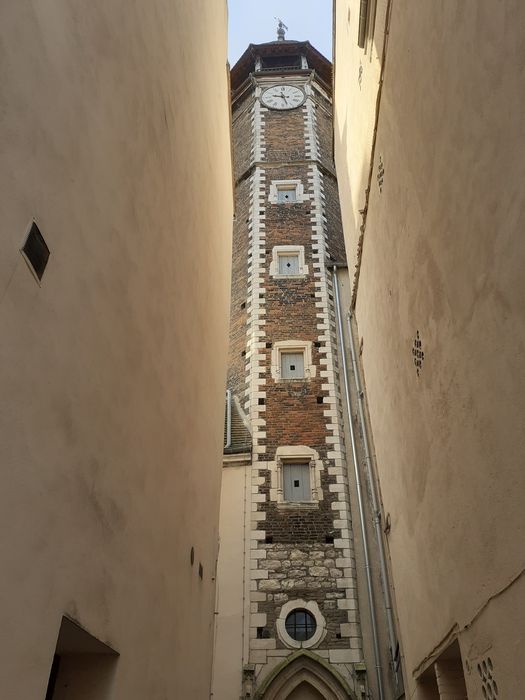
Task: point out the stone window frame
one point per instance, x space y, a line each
299 454
300 195
283 250
304 346
299 604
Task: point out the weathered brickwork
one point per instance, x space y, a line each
333 215
300 526
242 122
284 136
239 292
324 123
298 551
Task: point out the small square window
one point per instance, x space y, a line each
296 482
287 191
288 261
292 365
292 359
286 194
289 264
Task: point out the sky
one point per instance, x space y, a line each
252 22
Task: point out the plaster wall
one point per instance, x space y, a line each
231 576
356 79
443 256
114 136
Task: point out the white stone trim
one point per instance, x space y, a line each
276 185
300 604
311 136
278 250
329 371
286 454
304 346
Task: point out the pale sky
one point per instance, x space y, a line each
252 22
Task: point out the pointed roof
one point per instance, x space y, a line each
281 47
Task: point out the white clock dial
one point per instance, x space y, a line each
283 97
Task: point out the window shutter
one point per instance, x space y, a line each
292 365
296 480
288 264
287 482
286 195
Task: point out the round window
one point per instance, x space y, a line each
300 625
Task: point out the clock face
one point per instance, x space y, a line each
283 97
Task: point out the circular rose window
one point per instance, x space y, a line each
300 625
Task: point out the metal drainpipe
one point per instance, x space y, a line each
370 590
228 418
375 506
363 21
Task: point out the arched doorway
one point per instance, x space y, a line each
305 691
304 676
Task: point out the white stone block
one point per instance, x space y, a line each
259 574
258 554
339 524
259 620
258 656
345 583
262 644
341 656
343 562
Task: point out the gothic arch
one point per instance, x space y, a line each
304 667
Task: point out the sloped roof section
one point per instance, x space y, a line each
246 63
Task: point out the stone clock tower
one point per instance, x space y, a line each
288 621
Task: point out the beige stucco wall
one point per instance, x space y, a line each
443 255
233 603
356 79
114 136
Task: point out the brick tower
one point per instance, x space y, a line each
286 580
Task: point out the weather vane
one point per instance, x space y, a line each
281 27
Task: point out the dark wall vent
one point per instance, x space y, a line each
489 687
380 173
35 251
418 353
